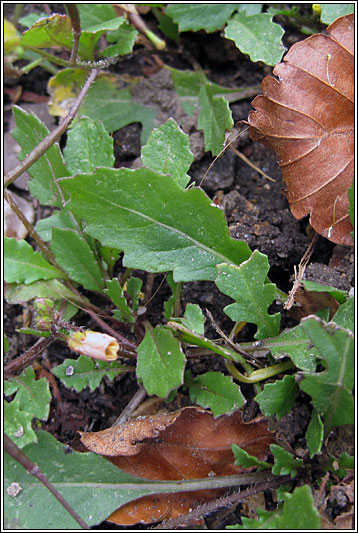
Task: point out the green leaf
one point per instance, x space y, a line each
95 14
331 390
168 152
90 37
31 18
17 294
28 133
115 107
133 288
208 17
214 119
167 26
338 466
278 398
18 424
344 316
81 478
285 463
74 255
258 36
246 284
23 265
215 391
51 31
60 219
196 91
187 85
57 31
193 318
160 362
32 400
159 225
84 372
330 12
242 458
82 153
338 294
124 39
314 434
115 292
298 512
295 344
169 305
106 101
250 9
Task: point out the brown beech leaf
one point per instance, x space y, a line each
187 444
307 117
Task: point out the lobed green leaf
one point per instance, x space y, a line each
32 399
244 459
285 463
246 284
331 389
278 398
298 512
84 372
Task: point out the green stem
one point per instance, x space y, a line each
125 276
190 337
261 374
32 65
51 57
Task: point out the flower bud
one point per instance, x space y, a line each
94 344
44 309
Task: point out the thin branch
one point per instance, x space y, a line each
73 13
206 508
14 451
33 233
135 401
24 360
252 165
301 270
48 141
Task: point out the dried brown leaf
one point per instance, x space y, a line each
307 118
187 444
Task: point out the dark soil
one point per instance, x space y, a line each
256 210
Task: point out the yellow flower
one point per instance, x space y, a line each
94 344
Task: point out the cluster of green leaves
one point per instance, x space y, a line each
151 218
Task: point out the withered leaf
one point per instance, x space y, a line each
127 439
193 444
307 117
